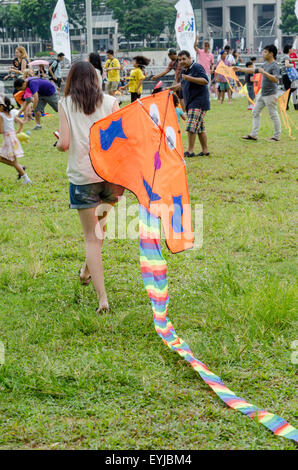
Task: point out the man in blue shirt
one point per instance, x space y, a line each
194 85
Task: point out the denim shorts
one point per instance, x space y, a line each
91 195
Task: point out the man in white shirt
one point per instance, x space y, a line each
229 57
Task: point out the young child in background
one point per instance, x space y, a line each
11 74
11 149
136 78
179 110
249 80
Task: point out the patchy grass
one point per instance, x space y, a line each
75 380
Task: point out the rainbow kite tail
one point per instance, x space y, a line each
154 273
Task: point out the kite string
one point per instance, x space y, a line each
154 273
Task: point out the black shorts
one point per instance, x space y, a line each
135 97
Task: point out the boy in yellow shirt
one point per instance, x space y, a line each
136 78
112 66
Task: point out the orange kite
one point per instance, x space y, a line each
140 148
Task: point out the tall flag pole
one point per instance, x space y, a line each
60 30
89 26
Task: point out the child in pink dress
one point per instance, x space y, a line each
11 149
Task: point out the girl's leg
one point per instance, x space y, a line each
6 162
18 167
93 245
13 163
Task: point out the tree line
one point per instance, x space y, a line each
144 19
141 19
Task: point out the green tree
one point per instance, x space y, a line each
289 22
145 19
37 14
10 22
123 7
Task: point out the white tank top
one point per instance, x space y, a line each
8 121
79 169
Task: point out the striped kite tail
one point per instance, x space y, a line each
154 273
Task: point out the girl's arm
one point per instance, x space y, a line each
64 131
20 122
183 115
1 125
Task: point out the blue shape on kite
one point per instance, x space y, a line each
177 216
108 136
152 196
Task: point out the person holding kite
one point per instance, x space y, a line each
222 80
83 105
268 95
194 85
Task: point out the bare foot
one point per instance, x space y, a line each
103 306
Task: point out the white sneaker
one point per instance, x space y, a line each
25 179
37 127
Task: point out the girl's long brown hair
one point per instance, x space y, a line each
83 87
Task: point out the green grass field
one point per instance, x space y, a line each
76 380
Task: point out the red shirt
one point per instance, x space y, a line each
293 55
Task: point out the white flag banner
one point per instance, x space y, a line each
242 44
211 44
296 8
260 46
185 27
60 30
295 44
225 43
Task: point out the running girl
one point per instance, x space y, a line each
136 78
11 149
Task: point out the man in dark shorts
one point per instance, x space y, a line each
194 83
173 65
43 92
